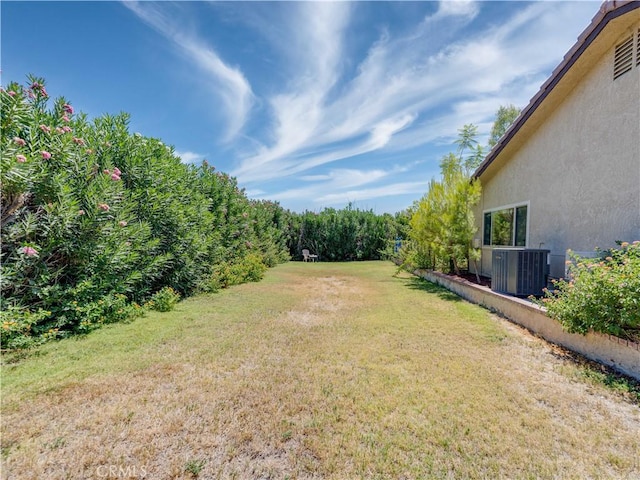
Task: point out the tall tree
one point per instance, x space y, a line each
470 153
466 138
442 225
505 116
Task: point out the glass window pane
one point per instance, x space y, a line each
521 226
502 227
486 238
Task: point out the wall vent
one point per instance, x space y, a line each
623 58
638 48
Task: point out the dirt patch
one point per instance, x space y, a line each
471 277
324 299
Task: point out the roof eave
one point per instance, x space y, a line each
608 11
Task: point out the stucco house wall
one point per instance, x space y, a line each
575 162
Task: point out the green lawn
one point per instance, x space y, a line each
319 371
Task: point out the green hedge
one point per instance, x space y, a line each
96 220
342 235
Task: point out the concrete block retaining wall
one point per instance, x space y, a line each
617 353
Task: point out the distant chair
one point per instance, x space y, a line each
306 256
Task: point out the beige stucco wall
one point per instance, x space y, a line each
577 159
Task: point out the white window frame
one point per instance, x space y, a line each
513 206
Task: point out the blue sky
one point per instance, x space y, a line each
312 104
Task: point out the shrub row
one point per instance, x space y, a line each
342 235
96 220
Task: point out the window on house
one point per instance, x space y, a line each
623 57
486 238
505 227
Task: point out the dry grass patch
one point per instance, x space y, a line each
320 371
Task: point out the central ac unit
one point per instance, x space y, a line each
519 271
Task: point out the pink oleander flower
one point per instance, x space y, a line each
122 223
21 158
115 177
11 93
59 130
106 171
65 119
104 207
66 128
68 108
37 87
45 128
117 171
80 212
29 251
78 141
19 141
45 155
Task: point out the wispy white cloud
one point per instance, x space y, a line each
462 8
189 157
255 193
407 89
298 111
410 89
229 85
379 135
393 189
359 117
346 177
345 184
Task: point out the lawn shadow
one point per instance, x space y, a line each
417 283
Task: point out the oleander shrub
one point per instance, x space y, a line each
96 220
601 294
